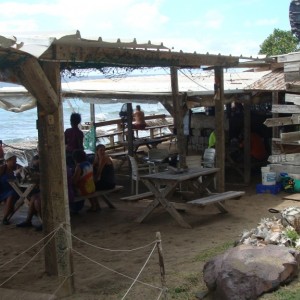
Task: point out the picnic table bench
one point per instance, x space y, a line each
101 195
216 199
137 196
171 180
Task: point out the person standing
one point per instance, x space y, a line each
212 140
73 138
1 153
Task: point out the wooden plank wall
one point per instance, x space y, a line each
286 147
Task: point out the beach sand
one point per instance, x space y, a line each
117 229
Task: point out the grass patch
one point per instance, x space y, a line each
289 292
187 290
205 255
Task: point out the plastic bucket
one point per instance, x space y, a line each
268 177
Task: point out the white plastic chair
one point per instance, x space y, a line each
209 158
135 173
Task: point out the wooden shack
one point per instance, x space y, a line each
285 121
41 76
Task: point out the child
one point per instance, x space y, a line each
83 178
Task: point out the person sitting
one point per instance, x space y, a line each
1 153
139 118
104 174
73 138
34 207
7 193
82 178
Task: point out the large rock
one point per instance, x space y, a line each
246 271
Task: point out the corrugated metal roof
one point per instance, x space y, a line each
274 81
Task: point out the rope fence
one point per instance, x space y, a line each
156 244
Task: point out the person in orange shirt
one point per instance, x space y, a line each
258 149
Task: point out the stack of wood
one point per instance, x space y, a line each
286 146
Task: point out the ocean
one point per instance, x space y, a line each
21 127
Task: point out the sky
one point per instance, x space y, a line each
236 27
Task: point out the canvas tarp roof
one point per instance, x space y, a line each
74 52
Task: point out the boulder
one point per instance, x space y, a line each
246 271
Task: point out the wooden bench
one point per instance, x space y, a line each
137 197
217 198
101 194
153 128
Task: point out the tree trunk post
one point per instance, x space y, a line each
54 188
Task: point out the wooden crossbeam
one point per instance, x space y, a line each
32 76
74 54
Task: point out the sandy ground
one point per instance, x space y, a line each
97 272
117 229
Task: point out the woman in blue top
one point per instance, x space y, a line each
7 193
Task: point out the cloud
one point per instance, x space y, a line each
261 22
93 17
266 22
144 16
213 19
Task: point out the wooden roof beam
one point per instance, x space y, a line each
117 57
33 78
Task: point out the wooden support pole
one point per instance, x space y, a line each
179 112
129 127
161 264
92 113
219 128
275 100
54 188
247 143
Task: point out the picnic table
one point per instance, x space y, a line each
163 184
23 190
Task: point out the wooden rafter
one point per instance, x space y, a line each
33 78
84 57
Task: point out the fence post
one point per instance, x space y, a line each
161 264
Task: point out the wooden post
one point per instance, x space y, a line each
55 206
247 143
275 100
161 263
178 116
129 127
92 112
219 127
